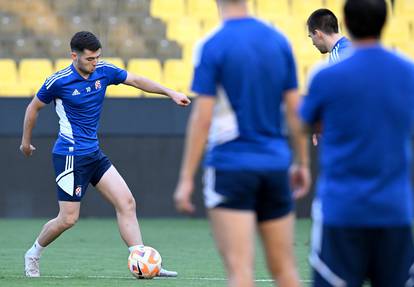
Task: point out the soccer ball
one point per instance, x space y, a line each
144 262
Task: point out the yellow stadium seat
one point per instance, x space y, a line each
307 58
167 9
271 9
148 68
397 31
122 90
202 9
33 72
295 29
407 49
404 8
251 5
303 8
336 6
177 75
188 52
115 61
208 26
19 90
184 30
8 72
390 9
62 63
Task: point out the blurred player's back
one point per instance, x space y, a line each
255 68
375 151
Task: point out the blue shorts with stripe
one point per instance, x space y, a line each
267 192
74 173
350 256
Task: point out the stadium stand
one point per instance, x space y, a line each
33 72
272 10
160 32
167 9
62 63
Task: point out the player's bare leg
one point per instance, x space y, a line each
280 260
234 233
67 217
114 188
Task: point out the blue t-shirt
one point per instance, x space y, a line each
340 50
78 103
366 106
247 65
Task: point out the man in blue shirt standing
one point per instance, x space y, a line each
245 76
363 209
78 93
323 29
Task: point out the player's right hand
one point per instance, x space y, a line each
300 180
27 150
182 196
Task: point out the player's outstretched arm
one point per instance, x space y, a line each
30 118
299 172
150 86
197 133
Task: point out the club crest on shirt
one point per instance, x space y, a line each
97 85
78 191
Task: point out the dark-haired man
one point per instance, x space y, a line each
78 93
323 29
363 209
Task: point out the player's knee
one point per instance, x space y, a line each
68 221
238 266
128 205
283 270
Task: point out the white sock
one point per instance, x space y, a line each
135 247
35 250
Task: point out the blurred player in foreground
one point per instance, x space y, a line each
363 209
244 75
78 93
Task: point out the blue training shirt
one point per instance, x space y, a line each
78 103
366 106
340 50
247 65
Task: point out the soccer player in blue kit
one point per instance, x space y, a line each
78 93
323 29
363 212
245 76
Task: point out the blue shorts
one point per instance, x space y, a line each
267 193
74 173
351 256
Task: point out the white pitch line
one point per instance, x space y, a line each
130 277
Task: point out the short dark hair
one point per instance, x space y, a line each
365 18
323 20
84 40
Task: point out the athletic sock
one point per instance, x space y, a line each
131 248
35 250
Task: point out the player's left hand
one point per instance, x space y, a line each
179 98
300 180
182 196
27 149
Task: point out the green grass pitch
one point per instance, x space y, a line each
93 254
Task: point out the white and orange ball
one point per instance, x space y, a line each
144 262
